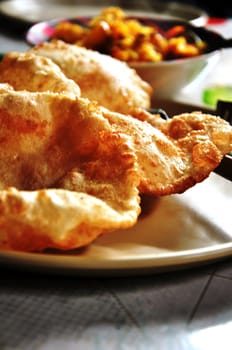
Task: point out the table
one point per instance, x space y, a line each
188 308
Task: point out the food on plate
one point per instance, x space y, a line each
45 137
102 78
154 141
128 39
72 170
175 154
26 71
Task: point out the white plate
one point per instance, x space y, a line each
174 232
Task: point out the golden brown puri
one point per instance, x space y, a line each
57 218
170 158
110 82
177 153
71 170
203 140
26 71
51 140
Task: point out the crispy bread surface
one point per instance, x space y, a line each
110 82
72 170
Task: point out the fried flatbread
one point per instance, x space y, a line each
110 82
26 71
44 138
71 170
177 153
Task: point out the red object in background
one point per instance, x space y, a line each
215 20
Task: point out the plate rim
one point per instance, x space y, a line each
61 263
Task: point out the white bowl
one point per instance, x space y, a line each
168 78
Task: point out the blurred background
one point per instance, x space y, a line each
18 16
216 8
37 10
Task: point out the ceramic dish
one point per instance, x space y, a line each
168 78
173 232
